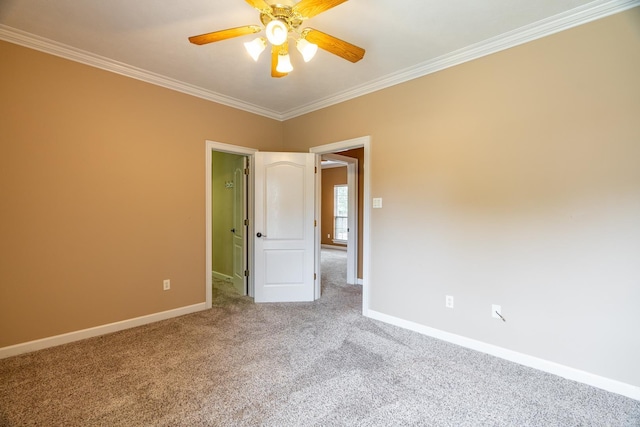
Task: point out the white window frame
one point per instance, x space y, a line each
335 215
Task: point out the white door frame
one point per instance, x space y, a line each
365 143
351 163
211 146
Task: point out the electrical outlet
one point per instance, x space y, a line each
166 284
496 311
448 301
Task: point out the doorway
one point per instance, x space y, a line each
362 142
340 222
362 146
228 215
228 204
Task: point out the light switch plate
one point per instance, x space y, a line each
377 202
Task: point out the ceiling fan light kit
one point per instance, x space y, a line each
284 63
256 47
306 49
281 22
277 32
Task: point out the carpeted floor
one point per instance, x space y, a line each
301 364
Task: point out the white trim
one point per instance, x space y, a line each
221 276
336 247
332 165
229 148
317 259
352 222
56 340
210 146
563 21
567 372
365 143
22 38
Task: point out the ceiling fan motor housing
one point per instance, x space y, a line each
285 14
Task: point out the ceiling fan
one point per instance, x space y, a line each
282 22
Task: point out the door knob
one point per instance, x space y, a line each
258 234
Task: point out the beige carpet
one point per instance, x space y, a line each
302 364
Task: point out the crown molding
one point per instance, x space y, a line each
42 44
581 15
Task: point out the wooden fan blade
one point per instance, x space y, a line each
334 45
311 8
216 36
259 4
274 62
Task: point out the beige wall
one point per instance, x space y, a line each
102 188
513 180
330 178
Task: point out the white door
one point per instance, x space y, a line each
239 227
284 227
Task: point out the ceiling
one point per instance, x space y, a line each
147 39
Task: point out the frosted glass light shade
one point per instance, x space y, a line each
277 32
308 50
256 47
284 64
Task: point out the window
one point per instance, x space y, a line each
340 213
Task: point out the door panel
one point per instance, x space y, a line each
239 227
284 225
284 201
284 267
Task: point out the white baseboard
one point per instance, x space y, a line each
567 372
43 343
340 248
221 276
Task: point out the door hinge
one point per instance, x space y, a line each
314 276
246 273
246 171
246 222
315 223
315 169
